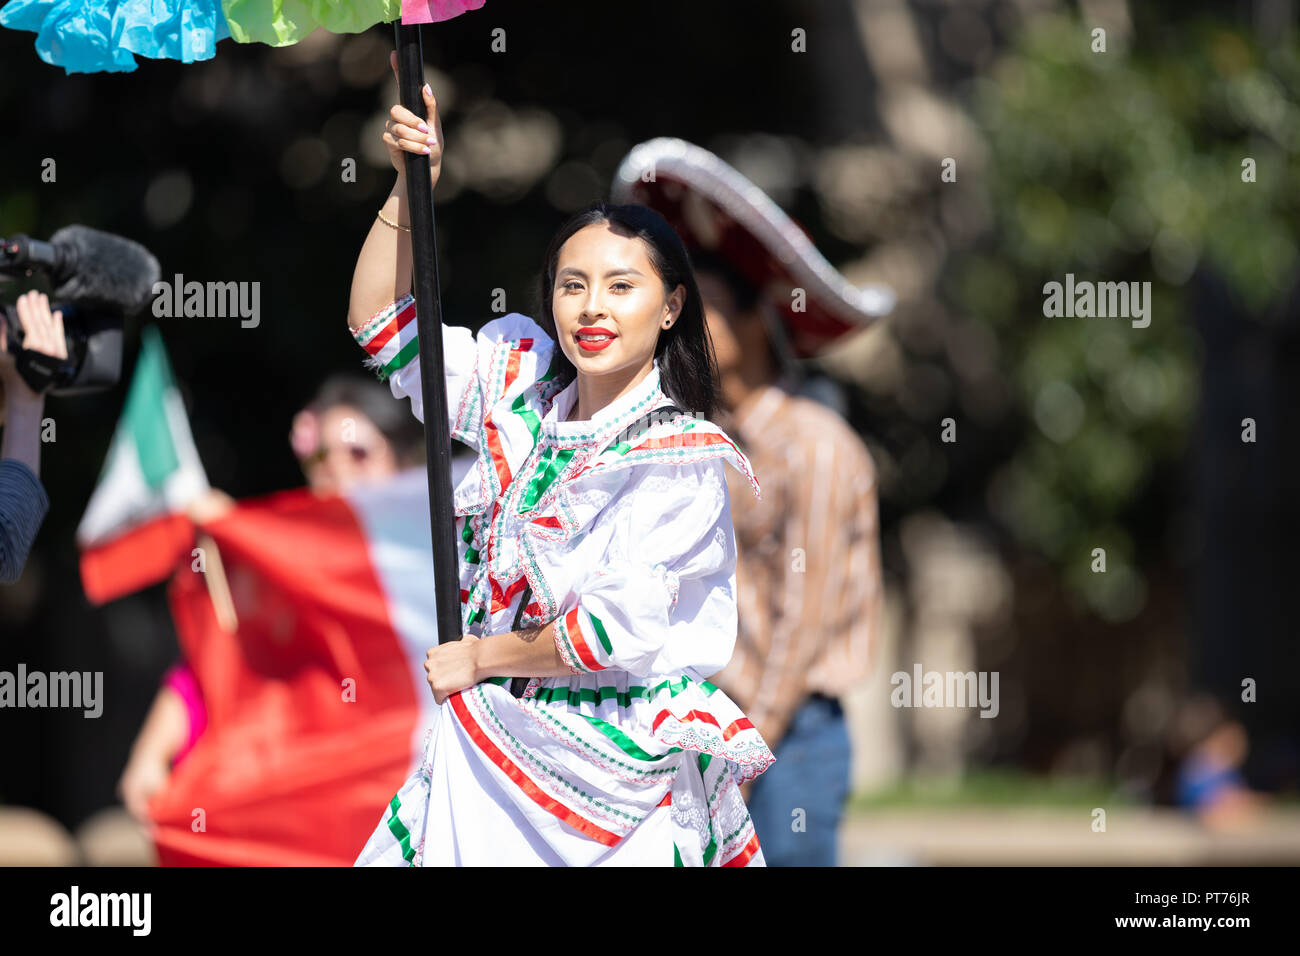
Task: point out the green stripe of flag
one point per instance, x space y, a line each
145 415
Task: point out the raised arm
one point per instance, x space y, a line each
381 309
383 272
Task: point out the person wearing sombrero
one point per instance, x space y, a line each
808 573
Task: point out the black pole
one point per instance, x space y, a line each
428 313
428 307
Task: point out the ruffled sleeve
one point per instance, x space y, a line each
479 369
665 600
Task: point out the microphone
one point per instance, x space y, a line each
97 278
97 270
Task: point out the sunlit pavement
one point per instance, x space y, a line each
108 838
957 837
1049 837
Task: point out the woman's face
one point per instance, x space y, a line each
608 302
350 449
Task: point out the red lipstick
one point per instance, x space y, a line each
592 338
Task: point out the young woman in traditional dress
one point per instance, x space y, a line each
597 558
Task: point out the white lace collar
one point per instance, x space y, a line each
607 422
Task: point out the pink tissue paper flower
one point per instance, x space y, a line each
434 11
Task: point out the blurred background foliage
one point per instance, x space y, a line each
1127 166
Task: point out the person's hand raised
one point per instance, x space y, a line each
404 132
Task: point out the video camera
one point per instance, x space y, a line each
98 280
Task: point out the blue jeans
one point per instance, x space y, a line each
797 803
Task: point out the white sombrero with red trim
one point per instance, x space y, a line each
714 207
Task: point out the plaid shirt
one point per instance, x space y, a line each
808 573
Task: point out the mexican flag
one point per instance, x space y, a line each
316 701
152 471
316 698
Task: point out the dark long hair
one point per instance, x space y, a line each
688 371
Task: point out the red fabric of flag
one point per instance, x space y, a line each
311 705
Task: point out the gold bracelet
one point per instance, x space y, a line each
387 221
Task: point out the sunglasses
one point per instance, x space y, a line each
358 453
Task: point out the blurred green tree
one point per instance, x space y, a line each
1122 166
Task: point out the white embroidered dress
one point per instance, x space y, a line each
636 758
